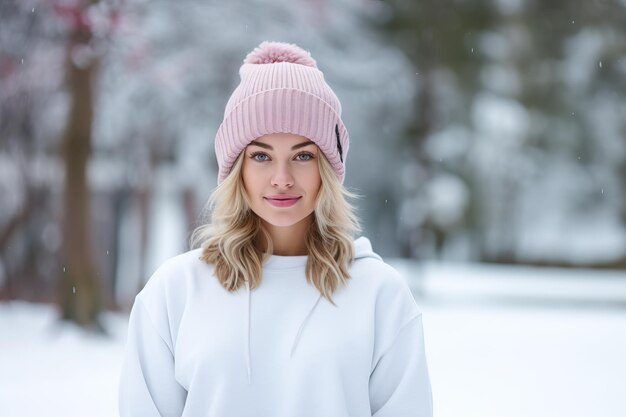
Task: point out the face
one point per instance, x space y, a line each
281 178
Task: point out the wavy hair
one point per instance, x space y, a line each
228 237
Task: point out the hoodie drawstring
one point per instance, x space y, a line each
247 330
297 339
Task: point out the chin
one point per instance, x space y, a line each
285 220
282 222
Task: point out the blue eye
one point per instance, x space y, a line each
259 156
305 156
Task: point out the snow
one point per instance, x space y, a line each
582 52
167 219
448 197
541 362
487 356
53 369
466 282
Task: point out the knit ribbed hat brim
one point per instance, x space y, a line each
281 110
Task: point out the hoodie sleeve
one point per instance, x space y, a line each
399 383
147 384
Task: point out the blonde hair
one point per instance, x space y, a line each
228 239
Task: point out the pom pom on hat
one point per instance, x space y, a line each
271 52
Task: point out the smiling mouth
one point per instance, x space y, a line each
282 202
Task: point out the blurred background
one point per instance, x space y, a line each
488 144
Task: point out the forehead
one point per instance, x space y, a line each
282 140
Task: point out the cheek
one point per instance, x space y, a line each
315 185
249 186
248 178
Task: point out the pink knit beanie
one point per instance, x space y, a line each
281 91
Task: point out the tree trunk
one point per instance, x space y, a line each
80 293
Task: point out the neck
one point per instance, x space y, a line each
289 241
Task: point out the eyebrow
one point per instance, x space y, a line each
266 146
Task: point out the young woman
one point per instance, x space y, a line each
279 312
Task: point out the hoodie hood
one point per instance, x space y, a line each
362 249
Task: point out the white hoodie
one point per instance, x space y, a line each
282 350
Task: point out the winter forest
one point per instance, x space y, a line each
484 133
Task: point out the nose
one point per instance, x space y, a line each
282 176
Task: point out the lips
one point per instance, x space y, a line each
283 200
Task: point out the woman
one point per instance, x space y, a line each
279 312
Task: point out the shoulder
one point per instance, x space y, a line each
175 277
371 274
388 284
370 267
170 289
377 272
385 293
183 262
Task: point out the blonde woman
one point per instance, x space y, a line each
279 312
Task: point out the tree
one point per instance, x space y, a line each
80 294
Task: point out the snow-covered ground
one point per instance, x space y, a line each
49 369
493 358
